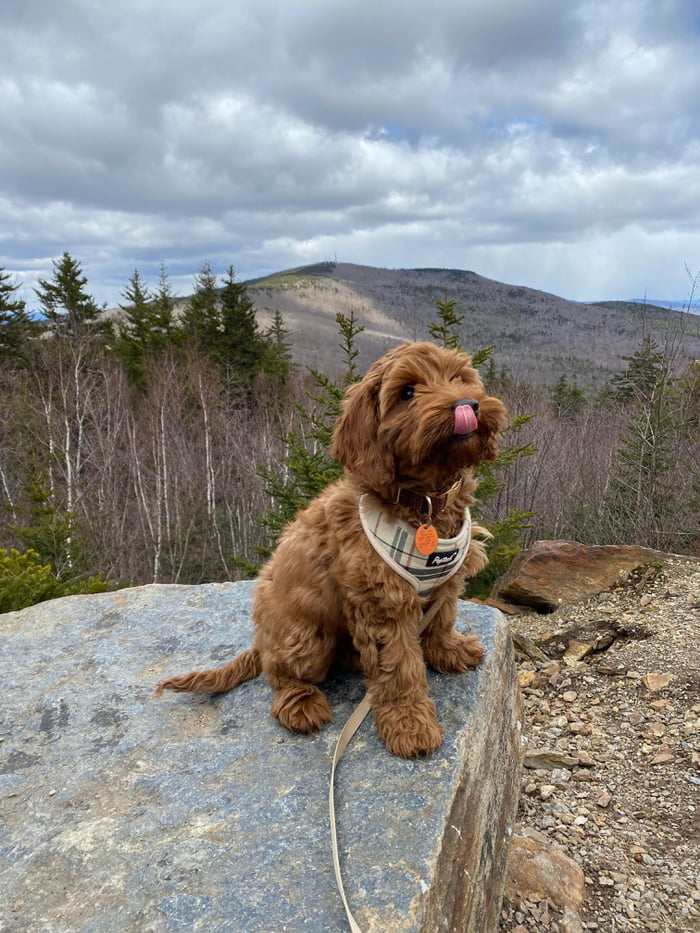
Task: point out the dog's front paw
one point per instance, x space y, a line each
454 655
409 731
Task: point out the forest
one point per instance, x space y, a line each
166 447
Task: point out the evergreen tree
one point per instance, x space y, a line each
645 370
566 398
163 310
56 560
63 298
241 347
147 328
445 330
16 325
48 530
308 467
689 389
133 332
642 504
507 532
639 498
221 324
201 321
277 362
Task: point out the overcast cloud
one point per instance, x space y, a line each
540 142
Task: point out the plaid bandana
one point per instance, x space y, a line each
394 540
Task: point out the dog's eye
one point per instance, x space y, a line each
407 393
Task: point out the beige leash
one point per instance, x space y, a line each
348 731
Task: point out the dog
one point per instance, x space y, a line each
352 575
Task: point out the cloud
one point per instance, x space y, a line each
551 144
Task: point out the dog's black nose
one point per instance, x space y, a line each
472 402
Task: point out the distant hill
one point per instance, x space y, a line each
537 336
668 303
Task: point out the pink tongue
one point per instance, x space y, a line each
465 420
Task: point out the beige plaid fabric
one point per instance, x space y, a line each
394 540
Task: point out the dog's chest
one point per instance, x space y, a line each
394 540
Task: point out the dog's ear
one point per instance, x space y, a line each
356 437
490 447
493 416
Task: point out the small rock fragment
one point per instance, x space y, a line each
656 681
578 650
549 758
526 678
611 668
663 757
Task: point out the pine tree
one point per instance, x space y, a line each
16 325
566 398
645 370
445 330
277 361
507 532
642 504
147 329
163 310
56 560
133 333
241 347
308 467
161 321
64 300
48 530
201 321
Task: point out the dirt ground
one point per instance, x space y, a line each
611 690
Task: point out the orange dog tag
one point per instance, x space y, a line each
426 539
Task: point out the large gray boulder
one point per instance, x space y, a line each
201 813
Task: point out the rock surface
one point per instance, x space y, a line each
200 813
554 572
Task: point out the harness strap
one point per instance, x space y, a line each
348 731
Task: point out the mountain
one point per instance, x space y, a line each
537 336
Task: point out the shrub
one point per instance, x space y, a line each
25 581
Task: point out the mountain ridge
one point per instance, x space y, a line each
537 336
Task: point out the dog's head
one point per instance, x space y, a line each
419 416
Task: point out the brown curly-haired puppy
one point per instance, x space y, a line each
408 437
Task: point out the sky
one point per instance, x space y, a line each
547 143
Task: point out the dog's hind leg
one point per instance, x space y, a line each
300 706
294 671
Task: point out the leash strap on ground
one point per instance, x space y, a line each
349 729
353 723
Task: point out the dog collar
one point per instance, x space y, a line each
427 504
394 540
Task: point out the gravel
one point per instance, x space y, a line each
611 690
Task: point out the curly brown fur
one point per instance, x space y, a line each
325 594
